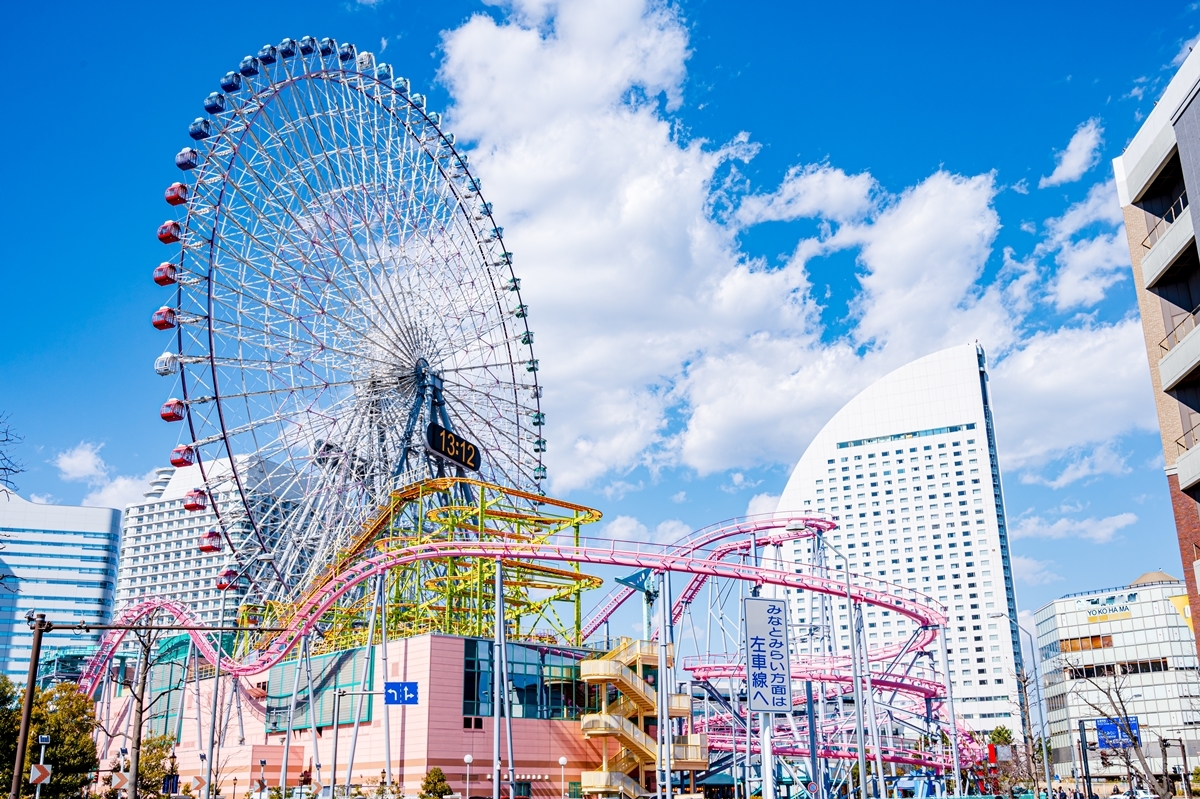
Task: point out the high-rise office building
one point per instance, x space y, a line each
1154 176
55 559
1130 651
908 469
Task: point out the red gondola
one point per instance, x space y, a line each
195 499
183 455
164 274
163 318
226 579
210 541
173 410
177 194
169 232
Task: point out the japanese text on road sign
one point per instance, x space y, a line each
768 667
400 693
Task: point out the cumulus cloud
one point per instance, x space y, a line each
762 503
1103 459
1185 50
1033 572
665 344
1082 153
629 528
82 463
1098 531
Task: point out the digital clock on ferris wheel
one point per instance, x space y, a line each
452 446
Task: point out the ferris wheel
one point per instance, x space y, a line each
345 315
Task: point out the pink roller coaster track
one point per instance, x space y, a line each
686 557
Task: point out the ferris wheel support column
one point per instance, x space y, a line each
387 709
312 704
953 732
212 727
363 689
287 739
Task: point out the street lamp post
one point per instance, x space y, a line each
262 773
1037 680
468 759
562 775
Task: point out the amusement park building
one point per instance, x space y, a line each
908 469
59 560
1154 175
1136 639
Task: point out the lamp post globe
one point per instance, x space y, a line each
468 759
562 775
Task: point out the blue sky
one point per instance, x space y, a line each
729 218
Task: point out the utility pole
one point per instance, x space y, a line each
39 625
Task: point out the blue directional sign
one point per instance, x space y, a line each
1115 733
400 693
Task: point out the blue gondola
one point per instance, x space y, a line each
328 46
384 73
287 48
347 52
418 100
215 102
232 82
267 54
435 118
249 66
400 85
187 158
449 138
308 45
200 129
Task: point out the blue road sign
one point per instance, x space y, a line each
1116 733
400 693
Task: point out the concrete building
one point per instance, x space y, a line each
162 554
909 471
54 559
1136 640
1154 176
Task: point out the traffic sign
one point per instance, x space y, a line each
119 780
1118 733
400 693
39 774
199 784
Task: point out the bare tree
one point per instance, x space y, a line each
9 466
1108 699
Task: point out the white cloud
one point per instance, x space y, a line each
816 190
1033 572
1103 459
1087 265
42 499
1082 153
762 503
629 528
1098 531
664 345
679 497
1185 50
83 463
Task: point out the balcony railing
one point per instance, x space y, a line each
1189 439
1179 333
1164 224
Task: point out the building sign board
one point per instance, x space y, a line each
768 667
1115 733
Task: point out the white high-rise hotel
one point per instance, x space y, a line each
908 469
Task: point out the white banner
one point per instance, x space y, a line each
768 667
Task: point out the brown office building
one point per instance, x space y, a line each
1155 174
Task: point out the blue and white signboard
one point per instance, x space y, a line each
1115 733
768 667
400 693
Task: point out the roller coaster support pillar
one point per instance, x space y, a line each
856 678
287 736
497 688
387 709
312 708
139 705
953 731
366 689
665 635
766 721
212 727
182 695
814 773
337 709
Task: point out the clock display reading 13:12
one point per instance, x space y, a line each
452 446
